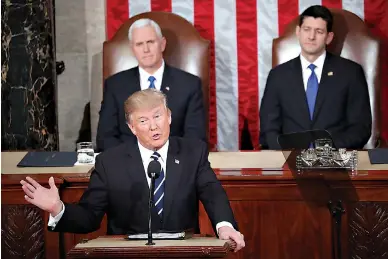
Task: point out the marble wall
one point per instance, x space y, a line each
80 33
28 107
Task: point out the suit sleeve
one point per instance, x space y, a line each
108 134
212 194
358 114
86 216
195 123
270 114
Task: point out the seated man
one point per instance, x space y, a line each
316 90
119 185
183 90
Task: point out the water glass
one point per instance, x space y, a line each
85 152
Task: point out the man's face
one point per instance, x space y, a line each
313 36
148 48
151 126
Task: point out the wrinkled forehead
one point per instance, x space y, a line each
314 23
143 34
149 110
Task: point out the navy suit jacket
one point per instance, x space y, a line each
184 98
118 187
342 105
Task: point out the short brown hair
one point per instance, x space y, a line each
144 99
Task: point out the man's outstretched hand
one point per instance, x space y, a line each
44 198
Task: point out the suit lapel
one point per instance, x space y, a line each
136 169
173 173
167 81
325 85
136 79
299 92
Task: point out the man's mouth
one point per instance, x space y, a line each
156 136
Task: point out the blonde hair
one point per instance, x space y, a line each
144 99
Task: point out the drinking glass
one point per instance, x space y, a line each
85 152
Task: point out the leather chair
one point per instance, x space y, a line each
353 41
185 49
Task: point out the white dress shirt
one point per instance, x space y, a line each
146 159
307 71
144 75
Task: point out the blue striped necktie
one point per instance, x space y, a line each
312 90
159 188
152 80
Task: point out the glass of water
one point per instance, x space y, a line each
85 152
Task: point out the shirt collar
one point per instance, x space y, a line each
144 75
318 62
147 153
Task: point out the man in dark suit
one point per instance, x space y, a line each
183 90
316 90
119 185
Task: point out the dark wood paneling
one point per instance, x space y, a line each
281 216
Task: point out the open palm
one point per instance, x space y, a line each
45 198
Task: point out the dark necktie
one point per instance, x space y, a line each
159 188
312 90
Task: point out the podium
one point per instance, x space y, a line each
119 247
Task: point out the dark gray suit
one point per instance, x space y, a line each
184 97
118 187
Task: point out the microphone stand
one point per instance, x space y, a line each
336 211
150 202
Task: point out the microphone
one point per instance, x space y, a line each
154 169
153 172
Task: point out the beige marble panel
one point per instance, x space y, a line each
73 97
80 35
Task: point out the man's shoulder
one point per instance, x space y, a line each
189 144
118 77
343 62
181 73
284 67
114 153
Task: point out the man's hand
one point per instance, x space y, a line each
227 232
46 199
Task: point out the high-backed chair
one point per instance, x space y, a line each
353 41
185 49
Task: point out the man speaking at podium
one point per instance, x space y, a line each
119 184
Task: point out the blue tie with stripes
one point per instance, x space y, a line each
159 188
152 80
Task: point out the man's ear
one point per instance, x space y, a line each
163 44
169 117
330 37
130 126
297 29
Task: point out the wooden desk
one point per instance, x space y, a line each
281 214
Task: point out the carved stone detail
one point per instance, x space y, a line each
22 232
368 223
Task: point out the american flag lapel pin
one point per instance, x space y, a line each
176 161
330 73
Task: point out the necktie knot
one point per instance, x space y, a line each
155 156
152 80
312 67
